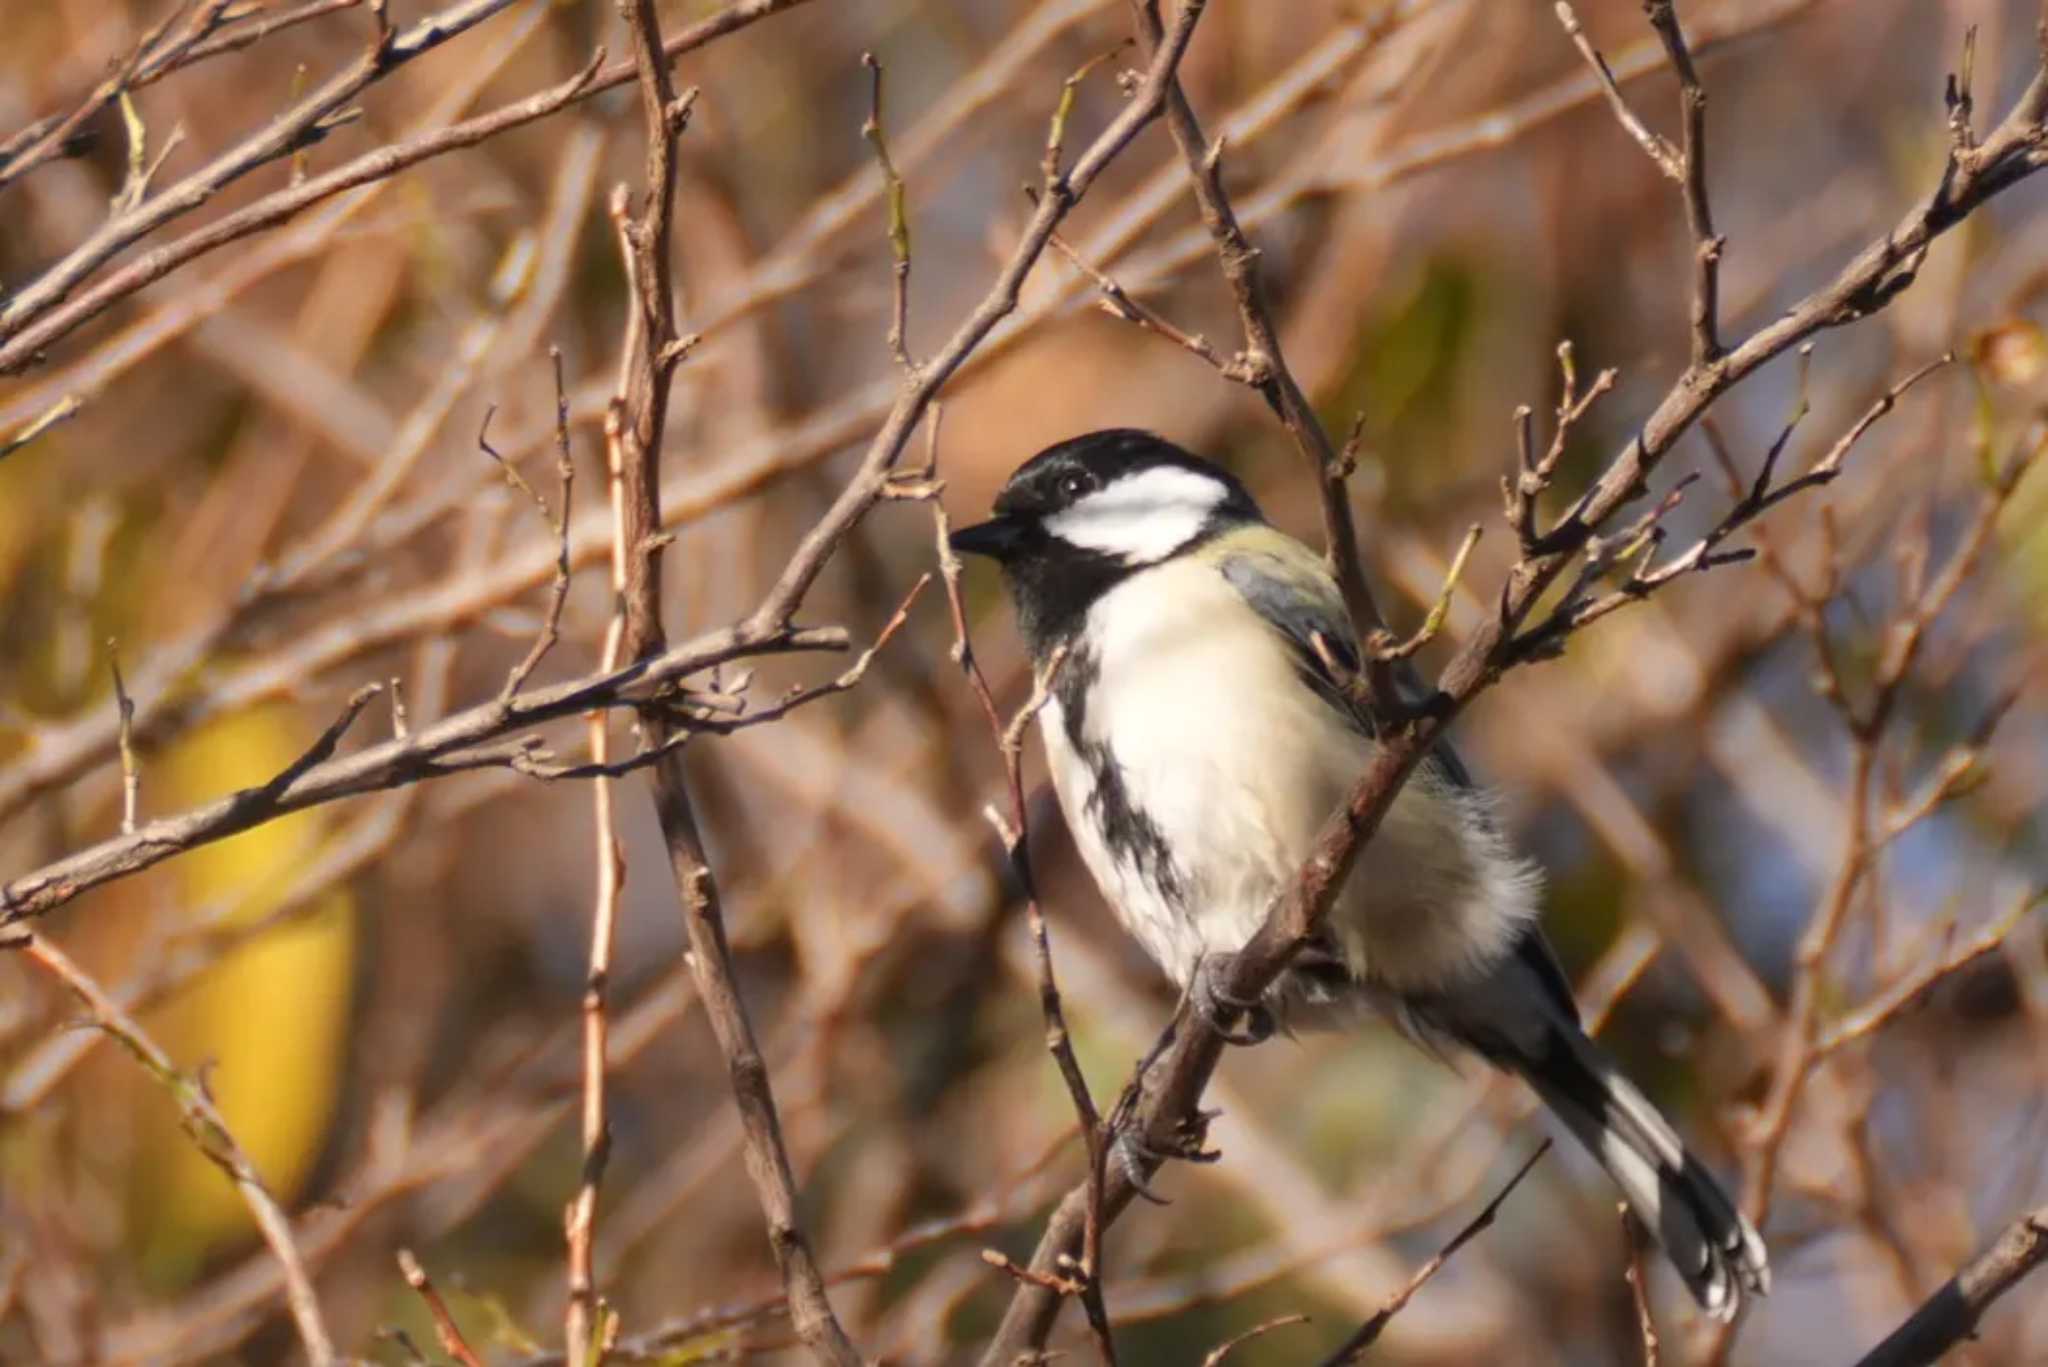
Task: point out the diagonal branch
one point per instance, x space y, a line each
1263 364
203 1121
1950 1316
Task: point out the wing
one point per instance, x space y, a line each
1286 584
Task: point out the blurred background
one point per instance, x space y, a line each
273 494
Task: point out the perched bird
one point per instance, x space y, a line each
1200 731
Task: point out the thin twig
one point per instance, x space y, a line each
1263 364
582 1313
899 218
1353 1348
558 592
1215 1356
1633 1237
1660 151
1692 157
445 1327
131 768
203 1122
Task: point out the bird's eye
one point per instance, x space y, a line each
1073 485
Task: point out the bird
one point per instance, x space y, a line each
1200 724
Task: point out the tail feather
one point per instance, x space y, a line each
1716 1251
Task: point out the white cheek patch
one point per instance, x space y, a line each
1143 517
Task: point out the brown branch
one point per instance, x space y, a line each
651 352
1014 832
1641 541
297 127
1353 1348
445 1327
899 218
158 51
1654 145
1263 364
1950 1316
871 479
558 591
203 1122
1215 1356
1119 304
425 752
579 1220
1692 161
1633 1238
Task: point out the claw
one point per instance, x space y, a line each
1221 1010
1132 1156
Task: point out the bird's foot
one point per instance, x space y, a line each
1209 995
1136 1158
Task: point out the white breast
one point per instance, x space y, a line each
1238 764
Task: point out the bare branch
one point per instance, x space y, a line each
131 769
203 1122
1216 1355
423 753
1950 1316
1264 364
1659 150
558 592
1699 216
899 218
1353 1348
445 1327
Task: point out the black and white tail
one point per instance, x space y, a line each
1714 1248
1520 1017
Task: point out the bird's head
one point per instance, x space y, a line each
1081 516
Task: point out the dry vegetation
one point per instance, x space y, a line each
481 732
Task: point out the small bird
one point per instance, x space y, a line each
1200 730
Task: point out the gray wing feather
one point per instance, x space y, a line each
1313 622
1310 614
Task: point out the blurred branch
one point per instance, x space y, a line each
31 331
203 1122
305 123
158 51
899 217
1866 723
1221 1352
1950 1316
38 315
470 1142
579 1220
445 1327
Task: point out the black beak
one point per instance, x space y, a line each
999 538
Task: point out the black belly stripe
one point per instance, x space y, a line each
1131 835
